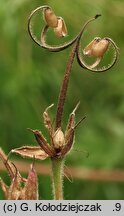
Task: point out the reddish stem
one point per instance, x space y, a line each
64 87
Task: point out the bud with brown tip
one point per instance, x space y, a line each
97 47
50 18
100 48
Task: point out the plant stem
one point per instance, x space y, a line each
57 178
64 87
58 163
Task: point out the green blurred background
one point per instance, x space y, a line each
30 79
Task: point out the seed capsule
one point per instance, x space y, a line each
58 139
60 30
50 18
97 47
100 48
88 49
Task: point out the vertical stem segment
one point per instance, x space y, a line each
57 178
64 87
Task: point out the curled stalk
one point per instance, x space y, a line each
75 42
75 50
64 86
93 67
42 41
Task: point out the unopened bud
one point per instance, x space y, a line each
97 47
100 48
59 139
50 18
88 49
60 30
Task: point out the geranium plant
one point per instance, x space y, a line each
61 142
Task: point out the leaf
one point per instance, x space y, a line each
31 152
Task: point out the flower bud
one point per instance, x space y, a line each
50 18
88 49
97 47
100 48
58 139
60 30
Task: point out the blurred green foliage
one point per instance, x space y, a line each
30 79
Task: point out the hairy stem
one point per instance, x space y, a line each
57 178
64 87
